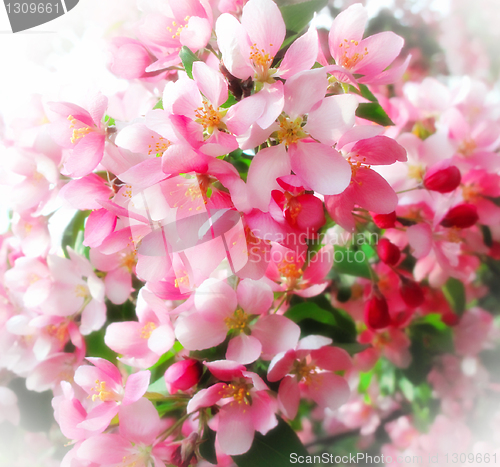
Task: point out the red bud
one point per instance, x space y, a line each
377 313
462 216
388 252
450 319
385 221
411 293
443 180
183 375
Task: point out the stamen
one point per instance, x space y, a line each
101 392
239 393
304 371
290 130
209 118
238 321
147 330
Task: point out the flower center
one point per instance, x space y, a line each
129 261
304 371
159 147
209 118
182 280
467 147
238 321
350 58
59 331
470 192
81 291
262 60
147 330
78 132
290 130
239 392
416 172
292 208
177 28
290 270
101 392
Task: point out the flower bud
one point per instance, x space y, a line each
461 216
411 293
183 375
388 252
442 179
450 319
385 221
376 313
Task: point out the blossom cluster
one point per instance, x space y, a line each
201 255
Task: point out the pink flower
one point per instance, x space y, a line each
82 132
367 188
142 343
308 370
248 50
170 25
368 57
245 406
216 312
103 383
138 441
316 164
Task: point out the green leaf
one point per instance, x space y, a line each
96 346
363 91
298 15
275 449
364 381
348 261
310 311
231 100
434 319
73 234
374 112
352 347
159 105
487 237
110 121
454 292
407 389
207 447
188 58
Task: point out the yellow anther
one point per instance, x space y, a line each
209 118
260 57
350 60
416 172
182 280
59 332
239 392
290 270
467 147
304 371
160 147
81 291
238 321
290 130
147 330
101 392
129 261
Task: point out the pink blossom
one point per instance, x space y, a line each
103 382
142 342
368 57
82 132
245 406
309 370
